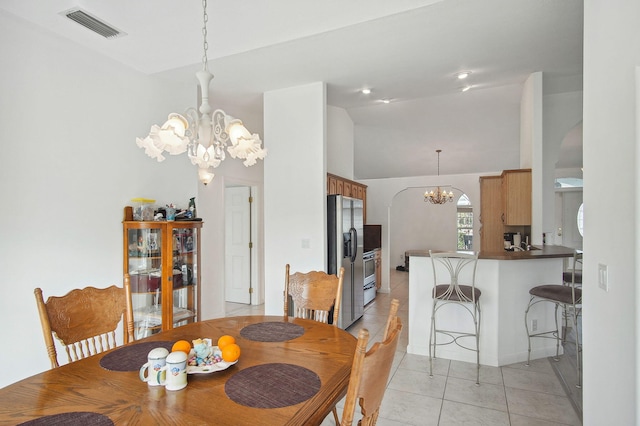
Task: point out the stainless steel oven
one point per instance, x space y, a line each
369 276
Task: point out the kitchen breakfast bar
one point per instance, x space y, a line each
504 279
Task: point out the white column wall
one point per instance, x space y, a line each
294 186
530 118
531 148
611 118
339 142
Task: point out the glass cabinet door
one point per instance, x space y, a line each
144 249
185 273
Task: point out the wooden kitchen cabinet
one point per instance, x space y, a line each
491 226
163 263
505 206
348 188
516 201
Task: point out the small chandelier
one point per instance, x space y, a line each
201 134
438 196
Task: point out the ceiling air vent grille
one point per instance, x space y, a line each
94 24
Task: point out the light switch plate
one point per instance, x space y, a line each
603 277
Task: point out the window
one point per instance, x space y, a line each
465 223
580 219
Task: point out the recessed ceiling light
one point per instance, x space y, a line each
366 91
385 101
463 74
465 88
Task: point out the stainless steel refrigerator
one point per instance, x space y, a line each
345 248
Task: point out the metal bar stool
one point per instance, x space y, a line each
569 295
572 275
449 270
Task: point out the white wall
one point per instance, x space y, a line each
408 223
294 186
611 105
210 203
339 142
69 165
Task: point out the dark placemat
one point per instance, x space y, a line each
132 357
272 331
75 418
272 385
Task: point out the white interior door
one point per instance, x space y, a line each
237 245
571 201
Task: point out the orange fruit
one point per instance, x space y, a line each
231 352
181 345
225 340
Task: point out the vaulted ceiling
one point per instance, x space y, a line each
406 51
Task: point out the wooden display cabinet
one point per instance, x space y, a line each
163 263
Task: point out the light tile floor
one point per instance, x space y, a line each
514 395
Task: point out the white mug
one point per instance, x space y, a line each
175 371
155 361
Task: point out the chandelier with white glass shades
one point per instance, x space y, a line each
202 134
439 196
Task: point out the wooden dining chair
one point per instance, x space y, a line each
313 295
85 320
370 373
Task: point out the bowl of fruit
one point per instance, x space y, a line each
204 358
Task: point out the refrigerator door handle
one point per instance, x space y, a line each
354 244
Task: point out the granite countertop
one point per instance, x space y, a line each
542 252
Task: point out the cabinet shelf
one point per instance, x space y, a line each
139 256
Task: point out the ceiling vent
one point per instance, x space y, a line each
94 24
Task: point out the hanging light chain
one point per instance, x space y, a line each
205 45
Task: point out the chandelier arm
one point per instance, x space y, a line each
220 123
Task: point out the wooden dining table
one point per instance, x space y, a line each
122 397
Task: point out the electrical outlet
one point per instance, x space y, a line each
534 325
